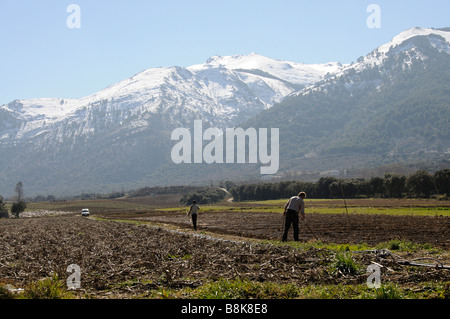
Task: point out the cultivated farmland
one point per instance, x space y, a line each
154 253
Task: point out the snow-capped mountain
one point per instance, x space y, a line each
390 106
59 133
440 39
222 91
119 137
407 44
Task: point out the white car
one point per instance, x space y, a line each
85 212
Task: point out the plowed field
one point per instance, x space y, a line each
331 228
122 259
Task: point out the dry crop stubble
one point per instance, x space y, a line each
120 259
110 253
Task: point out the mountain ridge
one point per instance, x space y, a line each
56 139
119 137
396 111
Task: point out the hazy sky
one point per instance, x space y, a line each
49 51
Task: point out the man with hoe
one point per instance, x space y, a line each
293 207
193 213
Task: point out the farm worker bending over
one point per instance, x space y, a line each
293 207
193 212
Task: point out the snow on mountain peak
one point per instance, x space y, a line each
248 62
441 42
377 56
48 108
296 73
412 32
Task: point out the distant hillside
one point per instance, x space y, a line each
389 107
120 137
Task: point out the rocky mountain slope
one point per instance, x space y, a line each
390 106
121 133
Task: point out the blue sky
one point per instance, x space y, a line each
40 56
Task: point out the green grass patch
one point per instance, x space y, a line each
53 288
246 289
48 288
407 246
320 245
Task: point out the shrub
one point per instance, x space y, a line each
48 288
18 208
344 263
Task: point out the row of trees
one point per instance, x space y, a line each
419 184
206 195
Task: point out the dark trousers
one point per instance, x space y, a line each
291 218
194 221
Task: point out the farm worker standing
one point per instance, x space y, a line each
293 207
193 212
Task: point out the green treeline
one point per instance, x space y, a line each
419 184
207 195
